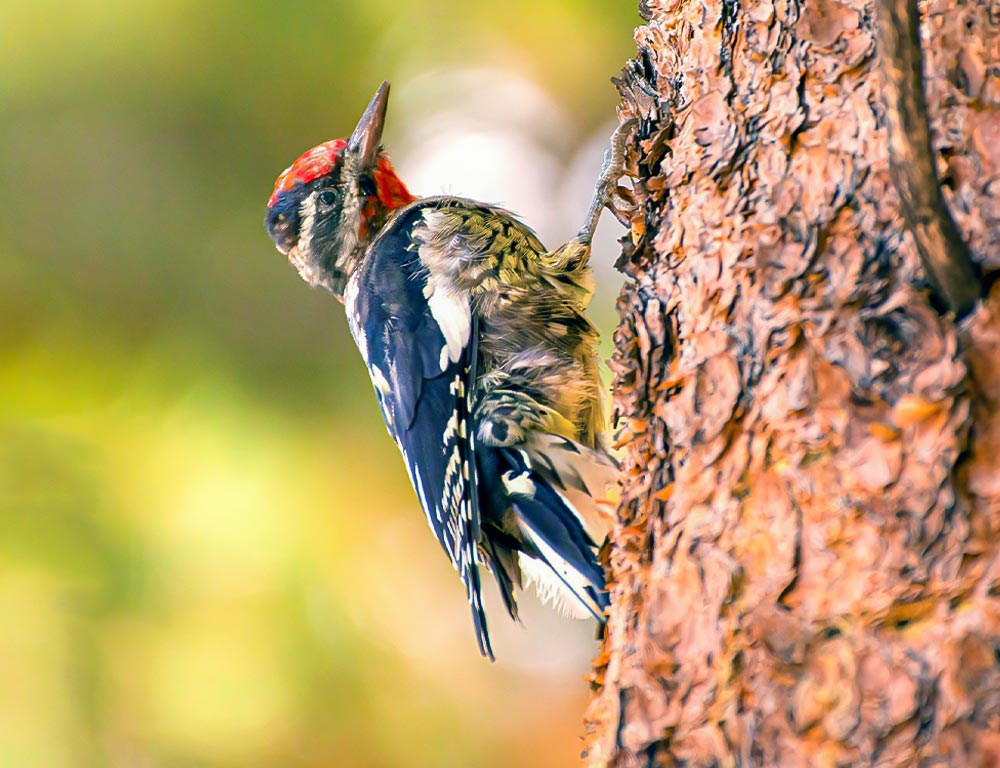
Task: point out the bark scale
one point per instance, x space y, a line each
807 565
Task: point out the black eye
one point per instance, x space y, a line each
326 197
367 185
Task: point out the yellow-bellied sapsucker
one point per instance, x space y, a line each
483 362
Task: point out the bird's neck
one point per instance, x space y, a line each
390 190
390 193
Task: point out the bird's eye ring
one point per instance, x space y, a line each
326 197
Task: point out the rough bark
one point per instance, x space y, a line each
807 569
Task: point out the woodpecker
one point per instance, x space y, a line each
482 360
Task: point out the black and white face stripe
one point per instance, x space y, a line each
316 225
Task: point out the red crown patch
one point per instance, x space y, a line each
310 165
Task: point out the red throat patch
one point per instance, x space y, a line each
392 192
318 161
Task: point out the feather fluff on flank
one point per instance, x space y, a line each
550 590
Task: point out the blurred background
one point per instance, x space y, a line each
209 551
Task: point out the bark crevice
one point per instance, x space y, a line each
949 265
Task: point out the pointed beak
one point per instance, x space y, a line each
364 142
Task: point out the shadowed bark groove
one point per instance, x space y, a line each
911 164
806 569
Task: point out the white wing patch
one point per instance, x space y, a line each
449 307
453 316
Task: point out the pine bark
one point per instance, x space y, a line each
807 390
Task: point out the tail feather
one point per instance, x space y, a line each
586 479
501 560
554 529
587 589
474 589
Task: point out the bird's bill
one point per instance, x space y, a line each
367 136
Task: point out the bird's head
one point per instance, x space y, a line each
331 201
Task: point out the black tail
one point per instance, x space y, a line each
549 527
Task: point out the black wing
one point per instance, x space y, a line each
422 353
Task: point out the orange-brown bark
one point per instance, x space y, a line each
807 569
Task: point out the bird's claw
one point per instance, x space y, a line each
607 190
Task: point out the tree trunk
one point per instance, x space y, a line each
807 569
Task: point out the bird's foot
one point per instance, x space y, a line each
607 191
